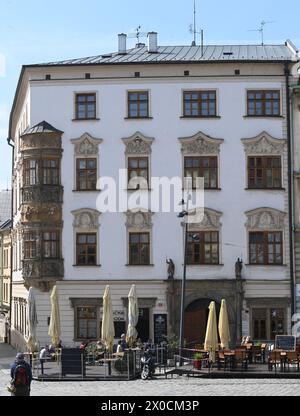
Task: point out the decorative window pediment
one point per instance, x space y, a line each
138 144
140 220
86 219
200 144
265 219
211 221
86 145
264 144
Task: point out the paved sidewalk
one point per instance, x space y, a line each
178 386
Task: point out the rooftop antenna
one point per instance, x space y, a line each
193 30
138 34
261 29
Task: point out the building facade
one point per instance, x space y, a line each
154 112
5 262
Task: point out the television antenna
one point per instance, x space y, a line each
261 29
138 34
195 32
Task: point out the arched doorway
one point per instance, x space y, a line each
195 320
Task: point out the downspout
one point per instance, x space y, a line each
290 186
9 142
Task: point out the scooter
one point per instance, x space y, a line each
148 365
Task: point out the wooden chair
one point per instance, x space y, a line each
240 357
223 360
274 359
256 353
292 358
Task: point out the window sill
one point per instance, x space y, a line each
87 265
138 118
86 190
264 116
85 119
202 117
138 189
139 265
265 189
205 265
266 265
205 189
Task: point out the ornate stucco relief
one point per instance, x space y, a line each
200 144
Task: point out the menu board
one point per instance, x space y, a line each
285 342
72 362
160 327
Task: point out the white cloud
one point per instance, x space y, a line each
2 66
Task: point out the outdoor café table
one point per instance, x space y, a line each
109 361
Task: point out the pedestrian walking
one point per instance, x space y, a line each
21 377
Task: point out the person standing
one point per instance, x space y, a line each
21 376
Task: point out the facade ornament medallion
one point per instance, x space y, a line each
138 144
265 219
264 143
139 220
86 219
200 144
86 145
211 221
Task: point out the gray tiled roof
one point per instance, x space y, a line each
5 206
42 127
211 53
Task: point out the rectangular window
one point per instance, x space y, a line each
259 323
51 245
30 245
202 167
86 172
50 172
265 248
203 247
86 322
137 171
267 323
31 172
139 248
85 106
264 172
199 103
86 249
263 103
138 104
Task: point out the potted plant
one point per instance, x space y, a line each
197 360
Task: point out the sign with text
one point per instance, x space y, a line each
285 342
160 327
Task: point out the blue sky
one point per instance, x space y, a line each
35 31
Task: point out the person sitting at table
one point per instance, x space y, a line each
123 342
119 347
44 355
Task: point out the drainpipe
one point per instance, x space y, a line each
290 186
11 144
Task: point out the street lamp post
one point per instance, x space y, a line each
184 215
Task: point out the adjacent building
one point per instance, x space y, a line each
5 261
218 112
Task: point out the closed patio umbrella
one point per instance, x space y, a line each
211 337
108 328
54 327
133 316
224 331
32 322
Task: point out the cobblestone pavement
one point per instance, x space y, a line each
178 386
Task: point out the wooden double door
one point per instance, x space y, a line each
195 321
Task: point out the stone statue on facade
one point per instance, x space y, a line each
171 268
238 268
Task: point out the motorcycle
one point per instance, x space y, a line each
148 365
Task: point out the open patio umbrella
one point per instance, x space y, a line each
108 328
133 316
54 327
224 331
211 337
32 322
